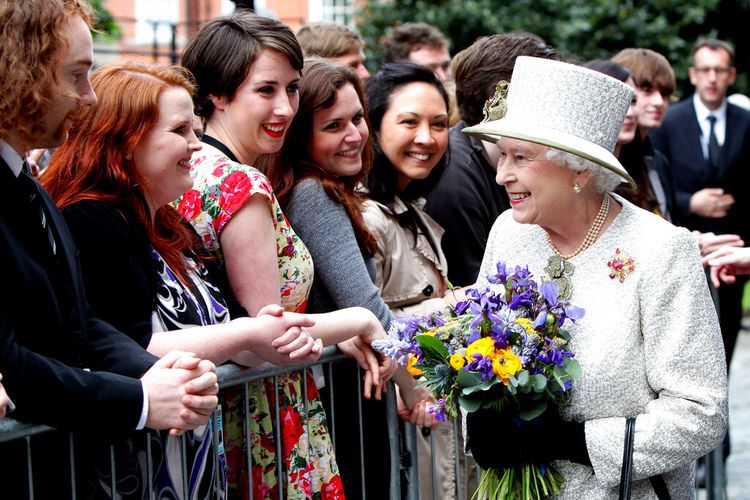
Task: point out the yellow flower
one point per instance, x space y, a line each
526 324
457 361
484 346
506 364
431 333
415 372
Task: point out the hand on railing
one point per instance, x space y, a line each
278 337
419 414
181 392
378 369
5 403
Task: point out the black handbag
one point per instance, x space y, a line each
626 473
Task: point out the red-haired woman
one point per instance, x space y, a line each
126 158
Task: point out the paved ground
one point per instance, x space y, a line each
738 463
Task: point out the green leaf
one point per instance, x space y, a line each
533 412
539 382
468 379
522 377
469 404
432 347
573 367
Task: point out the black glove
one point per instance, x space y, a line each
498 440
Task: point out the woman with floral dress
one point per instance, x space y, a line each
247 68
141 263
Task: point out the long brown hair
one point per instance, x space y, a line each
319 90
95 163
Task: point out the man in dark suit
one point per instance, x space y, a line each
61 366
707 142
467 200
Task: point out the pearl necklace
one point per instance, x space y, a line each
591 236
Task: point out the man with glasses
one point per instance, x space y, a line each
707 141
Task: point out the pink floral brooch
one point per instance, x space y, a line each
621 265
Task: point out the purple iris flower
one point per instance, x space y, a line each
480 365
550 292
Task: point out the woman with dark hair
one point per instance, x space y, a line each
409 112
408 109
325 157
125 160
248 70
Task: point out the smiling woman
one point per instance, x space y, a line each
126 158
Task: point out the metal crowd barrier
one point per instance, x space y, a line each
232 375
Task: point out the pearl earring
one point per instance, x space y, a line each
577 188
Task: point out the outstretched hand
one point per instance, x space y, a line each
710 242
726 263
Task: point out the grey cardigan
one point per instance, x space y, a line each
343 277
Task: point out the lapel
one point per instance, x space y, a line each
67 254
731 144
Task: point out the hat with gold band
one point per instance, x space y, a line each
561 106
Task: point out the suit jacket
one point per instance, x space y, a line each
47 334
679 139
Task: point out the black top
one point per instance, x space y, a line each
48 334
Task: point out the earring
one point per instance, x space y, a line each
577 188
128 156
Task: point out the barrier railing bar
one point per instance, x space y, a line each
149 467
112 478
277 421
71 448
29 467
361 433
246 414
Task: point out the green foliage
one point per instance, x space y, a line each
579 30
105 27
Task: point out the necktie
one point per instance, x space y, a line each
36 206
714 150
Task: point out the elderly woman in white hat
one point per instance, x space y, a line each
649 345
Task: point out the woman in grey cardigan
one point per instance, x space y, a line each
325 156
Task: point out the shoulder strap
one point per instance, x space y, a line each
626 473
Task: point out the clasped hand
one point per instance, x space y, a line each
181 392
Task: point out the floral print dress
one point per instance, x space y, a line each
221 188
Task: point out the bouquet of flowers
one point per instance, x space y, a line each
503 348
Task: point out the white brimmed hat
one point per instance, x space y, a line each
561 106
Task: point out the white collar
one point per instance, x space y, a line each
11 157
702 112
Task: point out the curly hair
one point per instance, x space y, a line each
36 32
319 90
95 163
220 55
